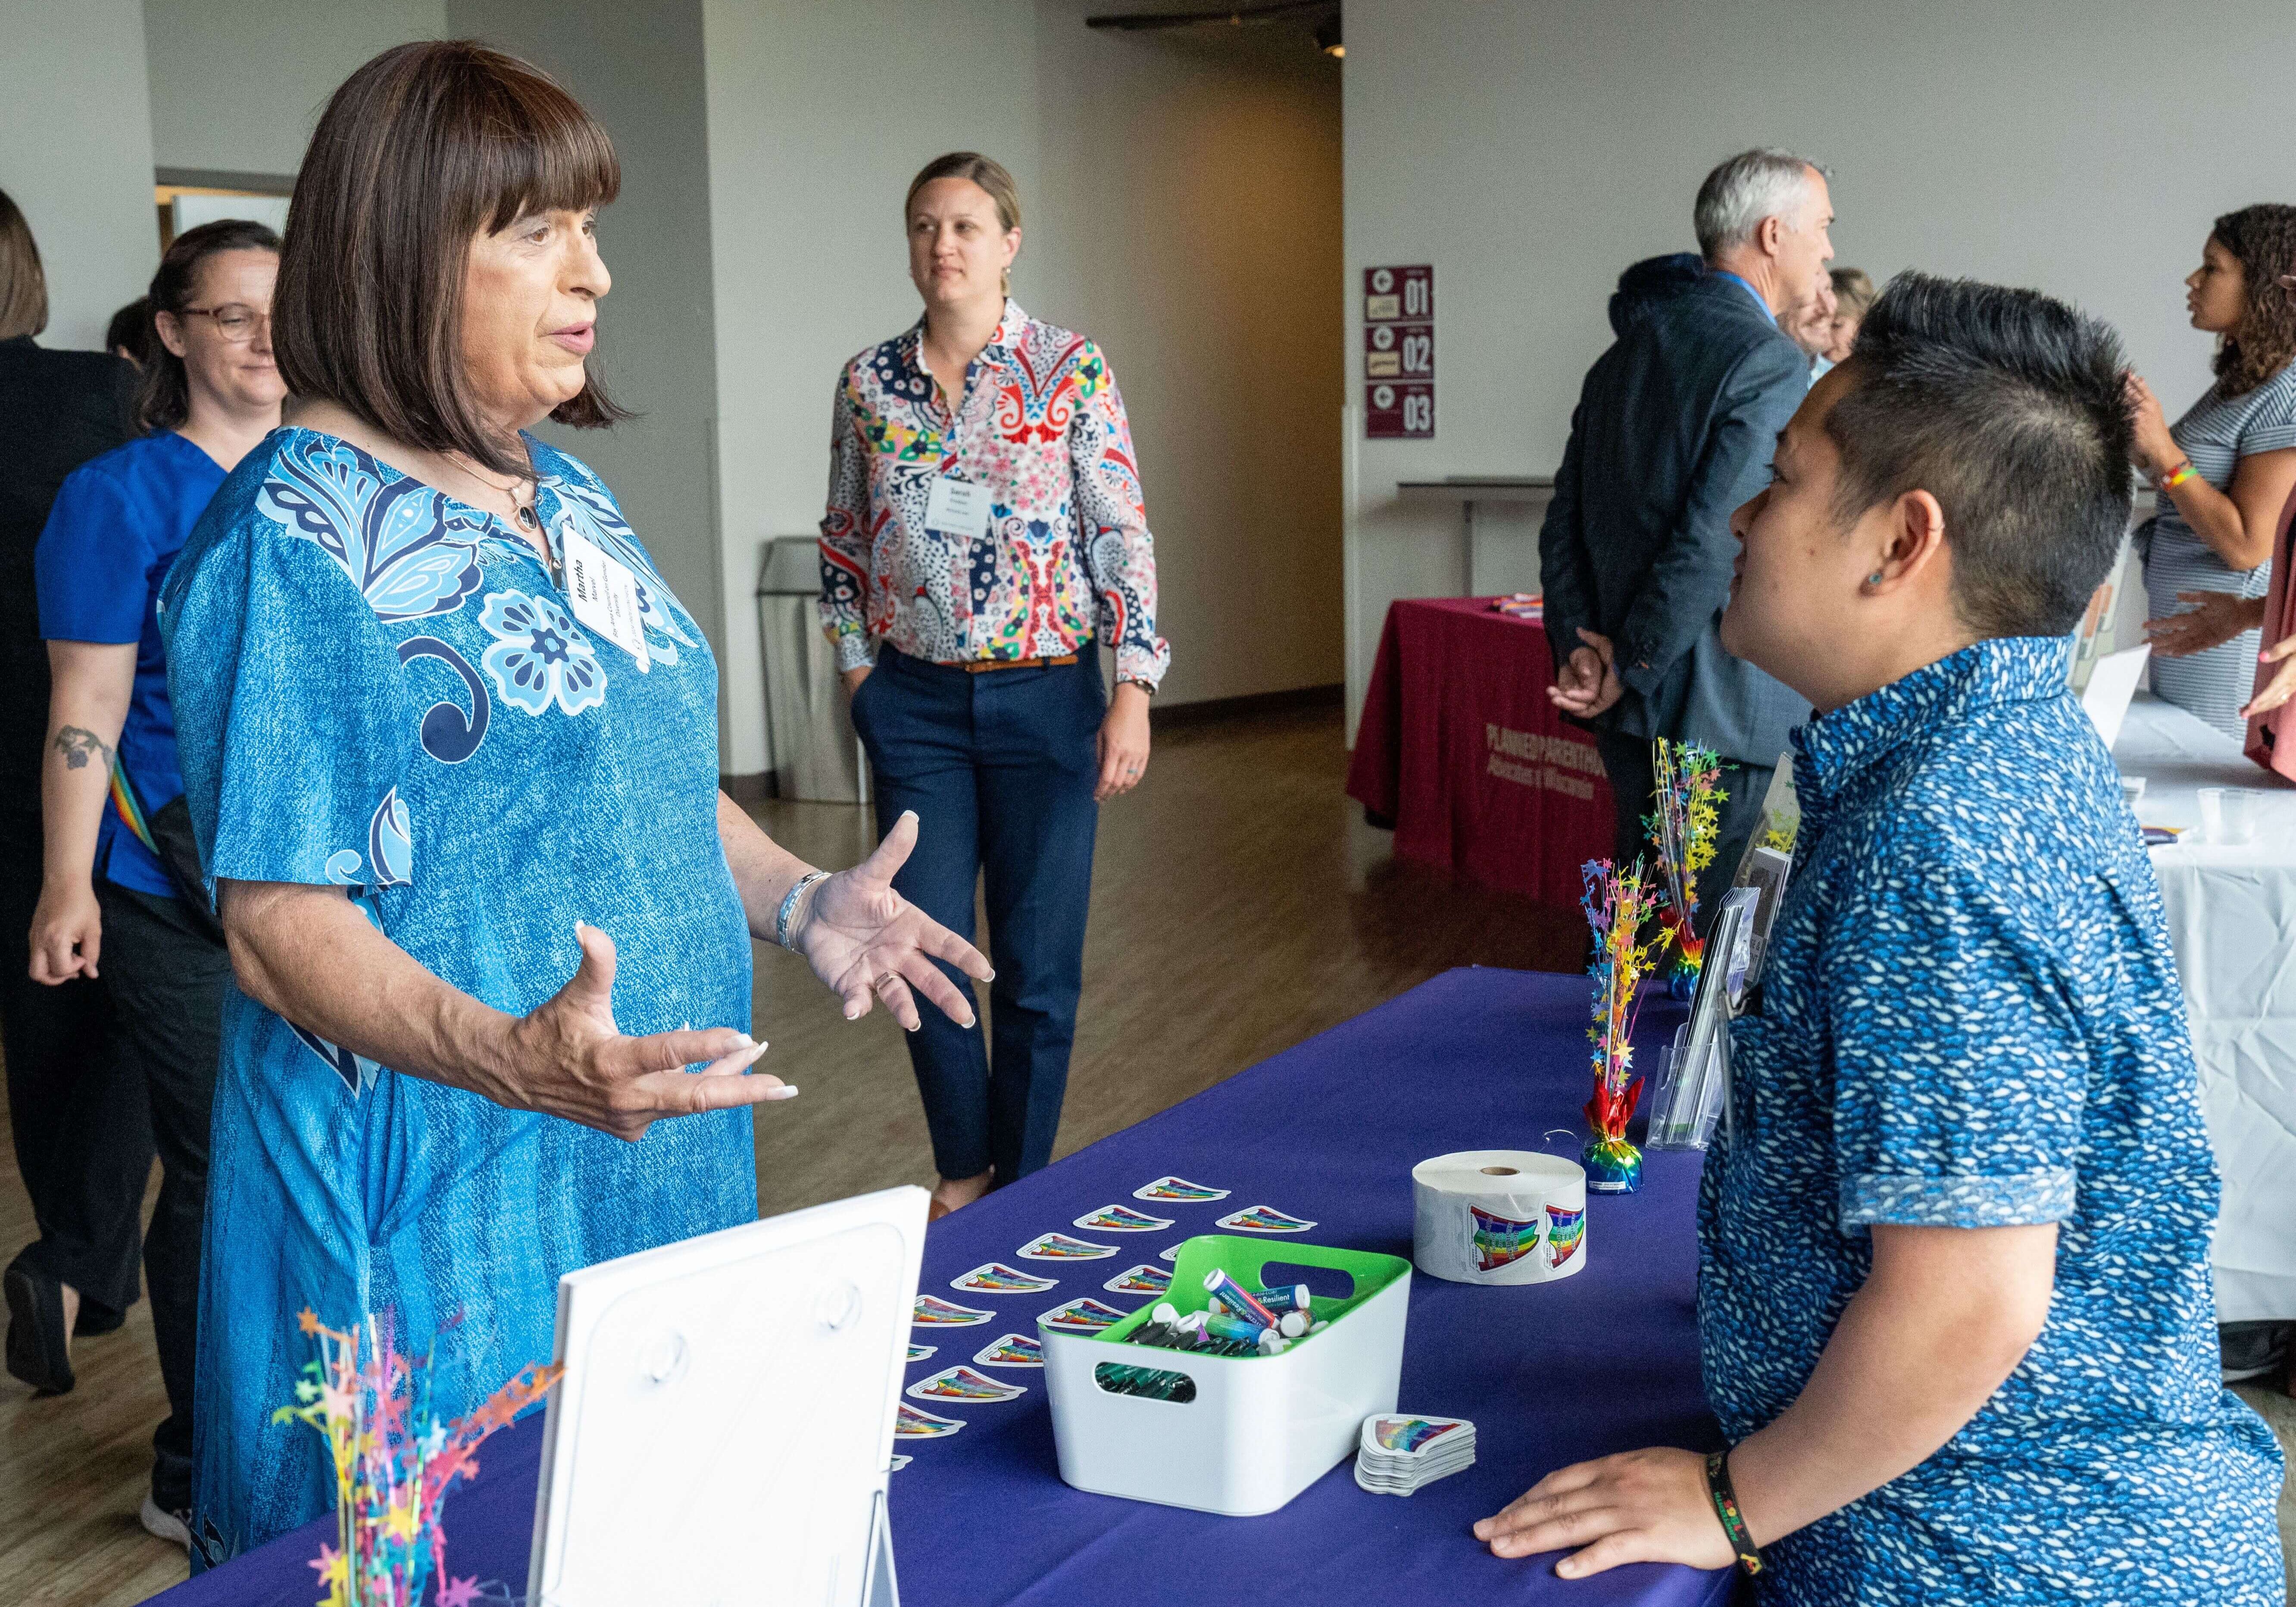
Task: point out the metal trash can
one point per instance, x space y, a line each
815 755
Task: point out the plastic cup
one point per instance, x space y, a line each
2212 823
2240 808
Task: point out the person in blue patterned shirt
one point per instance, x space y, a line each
1954 1302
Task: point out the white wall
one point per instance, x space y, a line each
1533 148
1179 206
638 69
75 155
237 85
1192 183
818 116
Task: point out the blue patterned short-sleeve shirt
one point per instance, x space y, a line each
1969 1016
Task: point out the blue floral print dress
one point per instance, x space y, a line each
1969 1016
382 688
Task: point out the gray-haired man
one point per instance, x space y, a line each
1673 430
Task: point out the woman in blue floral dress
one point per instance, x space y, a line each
449 741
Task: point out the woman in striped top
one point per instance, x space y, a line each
2225 469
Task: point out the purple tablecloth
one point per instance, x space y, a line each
1553 1374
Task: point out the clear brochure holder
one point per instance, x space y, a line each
1694 1085
725 1429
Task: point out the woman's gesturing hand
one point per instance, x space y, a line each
1640 1506
568 1059
2215 619
2154 447
2281 686
866 941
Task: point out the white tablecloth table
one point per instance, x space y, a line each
2232 917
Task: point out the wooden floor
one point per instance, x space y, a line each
1240 904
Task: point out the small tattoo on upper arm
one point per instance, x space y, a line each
77 743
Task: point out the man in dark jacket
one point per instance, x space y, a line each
1673 430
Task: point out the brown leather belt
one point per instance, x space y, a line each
982 666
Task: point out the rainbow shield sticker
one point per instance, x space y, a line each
1143 1279
1012 1350
933 1312
1263 1220
1081 1315
963 1384
1564 1231
1060 1246
1499 1240
912 1423
1121 1219
1178 1191
996 1278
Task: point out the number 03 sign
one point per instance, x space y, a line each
1399 353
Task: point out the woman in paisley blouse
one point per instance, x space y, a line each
984 539
450 748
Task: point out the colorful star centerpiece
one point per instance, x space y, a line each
1684 826
394 1462
1619 904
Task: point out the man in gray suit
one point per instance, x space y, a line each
1673 430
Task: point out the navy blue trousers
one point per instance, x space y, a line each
999 768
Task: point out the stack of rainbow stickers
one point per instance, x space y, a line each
963 1384
1121 1219
1396 1455
933 1312
912 1423
1060 1246
1263 1220
1178 1191
1143 1279
1012 1350
994 1277
1084 1314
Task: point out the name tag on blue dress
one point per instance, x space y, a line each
958 507
603 594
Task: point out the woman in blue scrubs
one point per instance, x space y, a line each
110 788
451 748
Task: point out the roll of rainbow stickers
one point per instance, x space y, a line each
1263 1220
963 1384
996 1278
1083 1315
1395 1455
1059 1247
1143 1279
911 1423
1012 1350
933 1312
1121 1219
918 1353
1178 1191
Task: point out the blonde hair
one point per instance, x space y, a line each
987 172
1853 292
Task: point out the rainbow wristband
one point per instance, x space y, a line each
1725 1508
2184 472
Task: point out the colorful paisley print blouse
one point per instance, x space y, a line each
1067 556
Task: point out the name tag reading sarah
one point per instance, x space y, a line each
603 594
958 507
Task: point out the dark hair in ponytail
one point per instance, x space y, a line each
164 398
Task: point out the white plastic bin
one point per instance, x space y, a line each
1261 1429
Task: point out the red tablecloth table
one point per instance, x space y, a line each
1459 747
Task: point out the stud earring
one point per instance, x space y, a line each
1874 578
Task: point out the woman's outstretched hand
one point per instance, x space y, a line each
568 1059
867 942
2281 686
2215 619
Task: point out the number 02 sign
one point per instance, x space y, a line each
1399 353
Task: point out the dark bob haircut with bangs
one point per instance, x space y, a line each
2007 406
421 150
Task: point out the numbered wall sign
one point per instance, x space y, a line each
1399 353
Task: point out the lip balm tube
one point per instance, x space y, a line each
1235 1328
1290 1297
1237 1299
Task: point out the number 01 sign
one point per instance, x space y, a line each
1399 353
